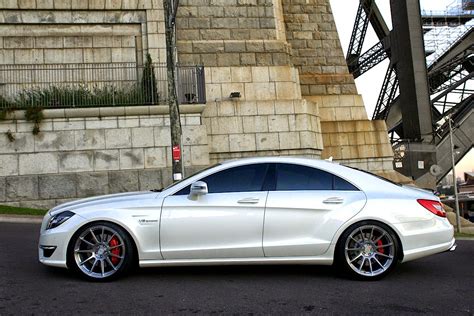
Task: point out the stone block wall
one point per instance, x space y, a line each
349 136
262 128
316 48
254 83
283 56
243 45
333 108
49 46
77 31
231 33
269 118
74 157
366 140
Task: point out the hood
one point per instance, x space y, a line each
123 198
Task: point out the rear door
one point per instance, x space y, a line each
305 208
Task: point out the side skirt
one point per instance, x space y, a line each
319 260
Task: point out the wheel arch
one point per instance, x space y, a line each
349 226
98 221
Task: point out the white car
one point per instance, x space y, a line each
259 210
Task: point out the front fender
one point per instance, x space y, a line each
143 227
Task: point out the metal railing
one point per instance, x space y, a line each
96 85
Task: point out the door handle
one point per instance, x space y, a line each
248 201
334 200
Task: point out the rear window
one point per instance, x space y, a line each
343 185
375 175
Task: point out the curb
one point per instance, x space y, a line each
464 238
24 219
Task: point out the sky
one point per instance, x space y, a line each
369 84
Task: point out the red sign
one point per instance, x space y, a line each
176 152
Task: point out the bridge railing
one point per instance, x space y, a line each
96 85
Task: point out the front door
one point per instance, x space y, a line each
225 223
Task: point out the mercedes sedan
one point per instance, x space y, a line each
258 210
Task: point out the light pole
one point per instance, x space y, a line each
456 202
170 7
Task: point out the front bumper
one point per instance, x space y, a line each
58 257
453 248
47 250
53 243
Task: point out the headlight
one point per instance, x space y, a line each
58 219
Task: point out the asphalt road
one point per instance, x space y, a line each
441 284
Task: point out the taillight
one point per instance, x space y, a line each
434 207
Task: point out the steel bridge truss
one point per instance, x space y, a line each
448 85
387 94
360 63
447 78
450 81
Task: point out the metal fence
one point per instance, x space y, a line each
96 85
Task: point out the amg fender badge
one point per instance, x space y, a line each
147 221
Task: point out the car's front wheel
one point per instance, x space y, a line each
367 251
100 251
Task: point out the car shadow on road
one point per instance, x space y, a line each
56 273
241 271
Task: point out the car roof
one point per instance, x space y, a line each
361 179
289 159
319 163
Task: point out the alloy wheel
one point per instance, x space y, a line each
369 250
99 251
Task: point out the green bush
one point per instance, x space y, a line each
83 95
77 96
35 115
150 92
4 103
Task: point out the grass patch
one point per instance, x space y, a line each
10 210
456 235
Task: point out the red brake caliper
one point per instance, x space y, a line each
380 249
116 251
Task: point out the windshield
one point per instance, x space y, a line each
191 175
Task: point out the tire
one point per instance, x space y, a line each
367 251
100 251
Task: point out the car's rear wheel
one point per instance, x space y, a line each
367 251
100 251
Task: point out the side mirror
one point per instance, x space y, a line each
198 188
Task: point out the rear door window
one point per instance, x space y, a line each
291 177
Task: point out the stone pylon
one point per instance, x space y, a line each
348 135
296 94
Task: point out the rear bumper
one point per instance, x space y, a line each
430 250
424 238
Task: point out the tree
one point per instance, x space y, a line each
170 7
150 92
